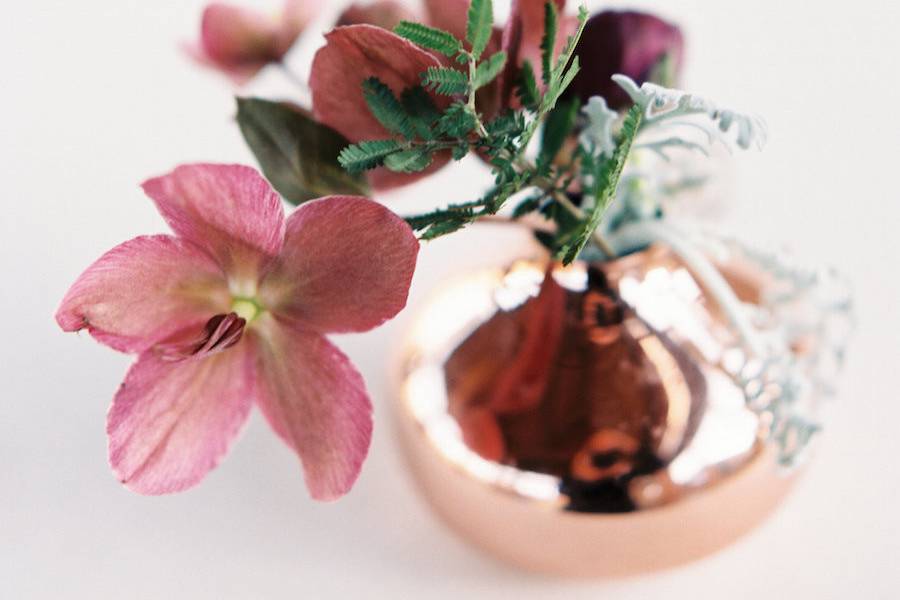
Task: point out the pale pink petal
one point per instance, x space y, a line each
172 422
234 35
529 16
296 16
449 15
351 55
143 291
229 210
316 402
346 266
386 14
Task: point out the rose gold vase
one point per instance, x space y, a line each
601 419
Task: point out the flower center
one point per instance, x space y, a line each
246 308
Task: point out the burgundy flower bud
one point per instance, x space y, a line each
383 13
631 43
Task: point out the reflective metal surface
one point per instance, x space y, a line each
594 419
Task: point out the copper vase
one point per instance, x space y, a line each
612 418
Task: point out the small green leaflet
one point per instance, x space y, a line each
606 183
457 121
480 25
557 127
385 107
409 161
445 81
298 155
527 89
548 42
430 37
420 109
367 155
489 69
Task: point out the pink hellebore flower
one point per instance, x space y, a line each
240 41
232 311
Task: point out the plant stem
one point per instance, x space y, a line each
601 243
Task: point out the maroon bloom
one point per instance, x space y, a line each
631 43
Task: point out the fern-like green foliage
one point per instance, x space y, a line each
385 107
421 111
548 41
527 89
409 161
445 81
457 121
367 155
430 37
479 26
488 70
603 184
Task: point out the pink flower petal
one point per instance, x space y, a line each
529 16
382 13
350 56
172 422
449 15
143 291
229 210
316 401
233 35
346 266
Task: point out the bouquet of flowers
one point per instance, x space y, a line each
233 308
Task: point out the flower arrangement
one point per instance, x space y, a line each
233 309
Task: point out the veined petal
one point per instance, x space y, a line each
142 291
172 422
316 401
351 55
229 210
346 266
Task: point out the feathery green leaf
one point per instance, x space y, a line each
548 42
367 155
559 124
445 81
527 89
605 185
430 37
421 110
385 107
457 121
480 25
488 70
409 161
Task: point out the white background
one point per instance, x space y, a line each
96 97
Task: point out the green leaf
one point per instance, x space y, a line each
298 155
430 37
480 25
527 89
558 87
386 108
606 183
421 110
367 155
457 121
409 161
445 81
548 42
488 70
559 124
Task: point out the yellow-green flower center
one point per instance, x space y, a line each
246 308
